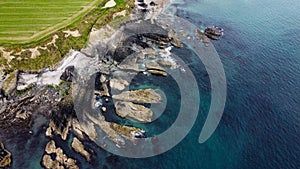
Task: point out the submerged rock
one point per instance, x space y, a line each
135 111
139 96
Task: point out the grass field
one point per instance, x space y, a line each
22 21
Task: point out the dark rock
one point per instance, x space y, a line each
144 5
152 3
213 32
68 74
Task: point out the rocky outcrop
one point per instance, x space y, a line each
155 68
115 132
68 74
118 84
175 39
200 36
213 32
139 96
60 160
166 63
5 156
104 91
63 132
79 148
157 72
135 111
153 65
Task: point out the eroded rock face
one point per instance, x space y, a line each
79 147
139 96
16 111
135 111
5 156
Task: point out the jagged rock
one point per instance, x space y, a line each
115 132
10 83
213 32
60 160
22 115
79 147
50 147
201 37
63 132
104 92
68 74
130 63
139 96
175 40
166 63
77 129
157 72
5 156
102 78
153 65
48 163
135 111
118 84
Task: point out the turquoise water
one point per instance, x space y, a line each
260 125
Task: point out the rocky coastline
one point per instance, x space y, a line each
115 63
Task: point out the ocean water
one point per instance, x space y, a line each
259 129
261 58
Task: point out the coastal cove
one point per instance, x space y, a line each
102 104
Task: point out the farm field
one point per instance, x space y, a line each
28 20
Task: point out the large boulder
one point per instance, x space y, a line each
139 96
135 111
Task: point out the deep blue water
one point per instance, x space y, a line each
260 126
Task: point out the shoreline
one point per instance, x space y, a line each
53 77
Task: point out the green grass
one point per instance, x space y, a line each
96 17
23 21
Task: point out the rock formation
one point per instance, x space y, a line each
118 84
5 156
139 96
60 160
135 111
175 40
79 147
